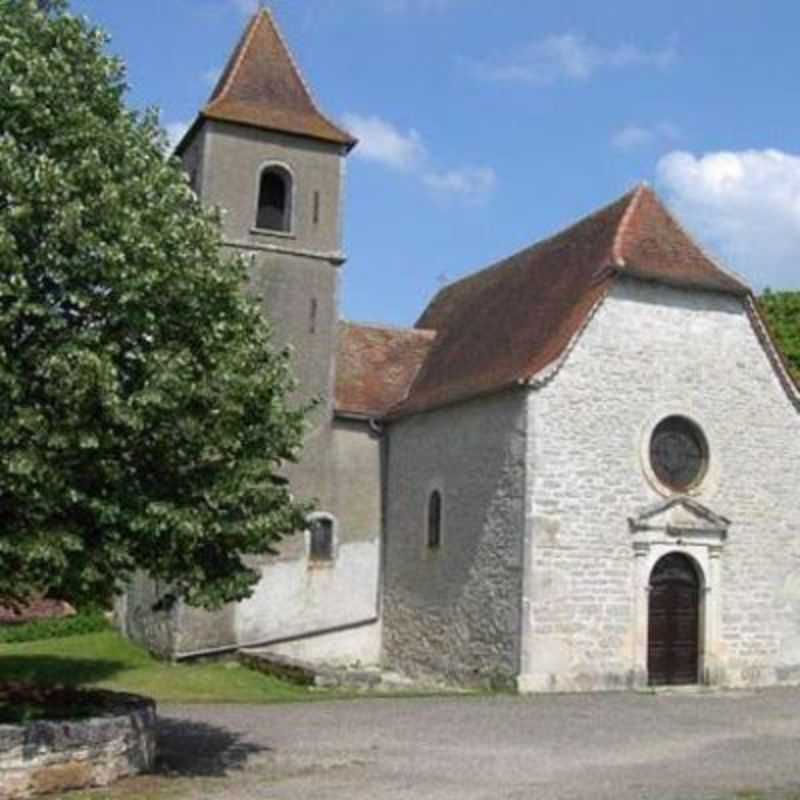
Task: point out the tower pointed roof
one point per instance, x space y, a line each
262 87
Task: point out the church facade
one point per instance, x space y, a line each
577 471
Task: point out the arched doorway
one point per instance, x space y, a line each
674 622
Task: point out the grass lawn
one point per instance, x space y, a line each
108 661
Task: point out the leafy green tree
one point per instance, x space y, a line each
782 310
144 418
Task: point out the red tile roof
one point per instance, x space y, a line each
375 367
508 323
653 245
262 87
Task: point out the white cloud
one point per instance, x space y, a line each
471 184
631 137
569 56
381 141
745 204
175 131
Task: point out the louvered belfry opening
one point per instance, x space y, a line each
274 200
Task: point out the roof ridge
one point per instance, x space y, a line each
380 326
244 45
617 259
414 378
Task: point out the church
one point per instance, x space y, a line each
578 471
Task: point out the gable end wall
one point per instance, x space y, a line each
652 351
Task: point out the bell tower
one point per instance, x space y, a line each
264 154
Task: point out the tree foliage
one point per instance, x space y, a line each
782 310
143 415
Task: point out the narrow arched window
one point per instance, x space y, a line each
321 539
274 200
435 520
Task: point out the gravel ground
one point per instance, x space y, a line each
621 746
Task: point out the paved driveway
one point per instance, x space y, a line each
618 746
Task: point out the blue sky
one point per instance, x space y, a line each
485 126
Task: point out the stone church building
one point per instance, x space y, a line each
577 471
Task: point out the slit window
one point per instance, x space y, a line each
435 520
320 548
274 200
312 316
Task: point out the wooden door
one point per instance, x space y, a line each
674 622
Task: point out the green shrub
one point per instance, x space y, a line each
84 622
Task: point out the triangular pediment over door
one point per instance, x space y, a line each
681 518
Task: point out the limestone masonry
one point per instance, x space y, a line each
577 472
47 756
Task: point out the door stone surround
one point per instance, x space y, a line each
679 524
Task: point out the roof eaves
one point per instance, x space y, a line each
209 113
355 415
188 135
398 411
631 270
541 378
729 273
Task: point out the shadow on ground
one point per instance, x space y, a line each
192 749
51 670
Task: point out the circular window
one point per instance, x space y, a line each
678 453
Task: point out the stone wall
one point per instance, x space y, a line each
294 276
136 619
652 351
47 757
297 599
455 612
233 157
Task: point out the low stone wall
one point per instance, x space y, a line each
36 610
44 756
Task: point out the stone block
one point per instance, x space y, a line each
45 757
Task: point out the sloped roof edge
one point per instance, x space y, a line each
516 321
